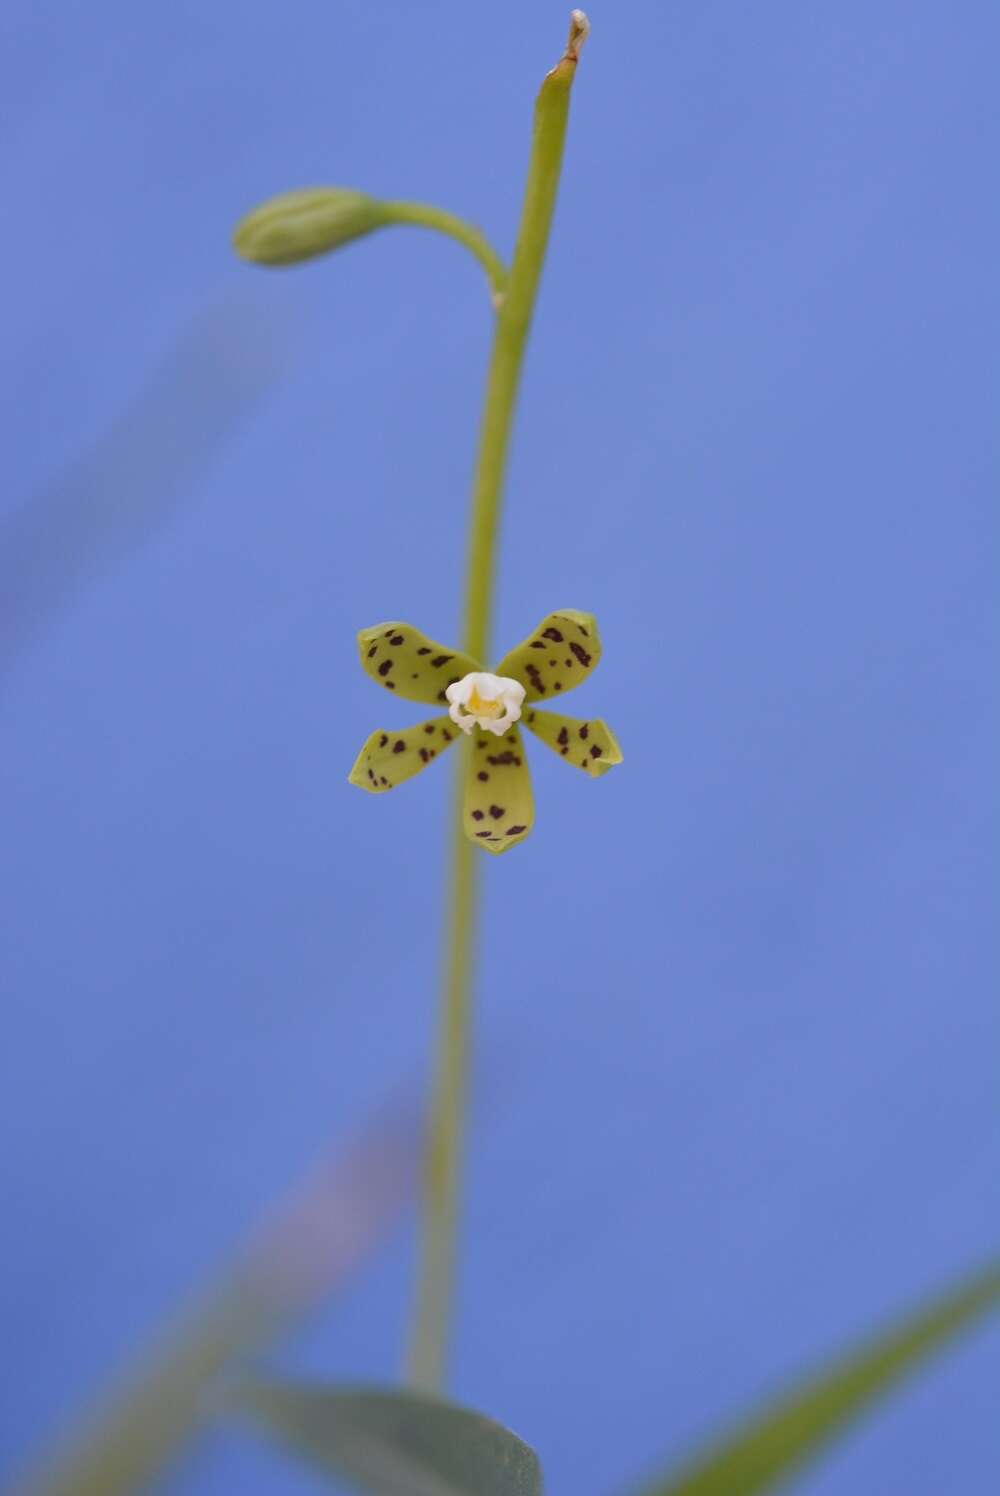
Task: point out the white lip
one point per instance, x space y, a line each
493 688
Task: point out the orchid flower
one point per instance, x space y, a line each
498 809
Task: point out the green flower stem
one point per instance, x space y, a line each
425 215
444 1148
510 339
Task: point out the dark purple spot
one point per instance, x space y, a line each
584 732
425 756
424 650
596 751
563 736
563 752
390 685
553 663
441 696
581 654
428 727
531 718
483 775
372 650
399 745
383 740
558 685
396 639
497 812
371 776
585 632
538 643
477 815
568 664
446 734
515 830
553 634
383 779
388 633
506 757
385 667
535 678
440 660
485 833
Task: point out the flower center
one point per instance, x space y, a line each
476 706
492 702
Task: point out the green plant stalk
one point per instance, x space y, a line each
425 215
513 321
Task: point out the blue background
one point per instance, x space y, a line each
736 1035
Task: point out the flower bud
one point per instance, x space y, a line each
300 225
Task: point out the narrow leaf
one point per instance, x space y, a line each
766 1451
143 467
391 1443
308 1249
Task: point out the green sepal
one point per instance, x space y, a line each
498 809
585 742
310 221
407 663
561 653
390 758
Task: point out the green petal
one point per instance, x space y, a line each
586 742
407 663
499 810
562 652
388 758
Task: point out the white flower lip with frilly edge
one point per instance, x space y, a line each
492 702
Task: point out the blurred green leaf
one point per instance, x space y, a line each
769 1449
310 1247
193 404
394 1443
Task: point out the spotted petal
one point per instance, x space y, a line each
498 810
586 742
562 652
407 663
388 758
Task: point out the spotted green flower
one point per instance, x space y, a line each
498 807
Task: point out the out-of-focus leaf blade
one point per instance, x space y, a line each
394 1443
770 1448
312 1244
193 404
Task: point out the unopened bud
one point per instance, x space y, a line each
301 225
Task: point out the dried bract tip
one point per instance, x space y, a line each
579 30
